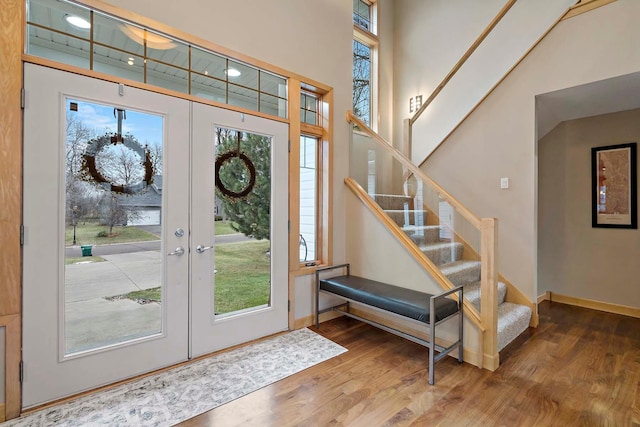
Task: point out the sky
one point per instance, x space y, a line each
145 127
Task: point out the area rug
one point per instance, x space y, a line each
181 393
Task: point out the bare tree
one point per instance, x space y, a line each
120 165
79 200
362 81
156 157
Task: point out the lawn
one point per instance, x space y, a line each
223 227
83 259
242 279
87 234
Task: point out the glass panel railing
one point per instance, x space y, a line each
438 225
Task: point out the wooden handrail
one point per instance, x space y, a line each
462 60
470 311
459 207
583 6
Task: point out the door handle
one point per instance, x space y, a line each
178 252
200 249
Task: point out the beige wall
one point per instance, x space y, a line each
429 38
575 259
525 22
499 138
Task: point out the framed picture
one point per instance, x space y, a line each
614 186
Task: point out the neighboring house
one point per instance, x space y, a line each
144 208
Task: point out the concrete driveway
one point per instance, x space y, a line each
94 320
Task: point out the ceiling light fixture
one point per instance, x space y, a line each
77 22
130 61
153 40
232 72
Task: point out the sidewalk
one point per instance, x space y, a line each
93 321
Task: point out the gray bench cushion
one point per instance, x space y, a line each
402 301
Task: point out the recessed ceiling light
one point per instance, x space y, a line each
232 72
77 22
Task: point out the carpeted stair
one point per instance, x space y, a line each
513 319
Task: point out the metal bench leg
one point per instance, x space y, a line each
432 340
317 299
461 326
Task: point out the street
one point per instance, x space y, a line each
152 245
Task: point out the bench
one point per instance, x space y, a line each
421 307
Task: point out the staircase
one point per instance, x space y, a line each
459 263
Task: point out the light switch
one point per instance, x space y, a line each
504 183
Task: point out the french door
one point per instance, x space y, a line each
221 316
123 270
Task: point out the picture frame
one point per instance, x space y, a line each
614 202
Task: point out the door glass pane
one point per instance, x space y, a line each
242 279
113 217
308 194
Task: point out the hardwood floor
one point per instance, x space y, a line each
579 367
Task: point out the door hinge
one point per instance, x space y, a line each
22 98
21 372
21 234
289 225
289 145
288 305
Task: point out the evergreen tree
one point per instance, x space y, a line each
249 215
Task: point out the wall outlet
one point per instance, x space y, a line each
504 183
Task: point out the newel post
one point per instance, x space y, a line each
489 291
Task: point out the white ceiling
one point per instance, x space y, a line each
592 99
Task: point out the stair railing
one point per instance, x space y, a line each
432 224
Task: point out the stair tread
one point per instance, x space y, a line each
513 319
404 210
400 196
457 266
419 227
472 293
439 245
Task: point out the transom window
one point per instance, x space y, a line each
65 32
362 14
308 108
